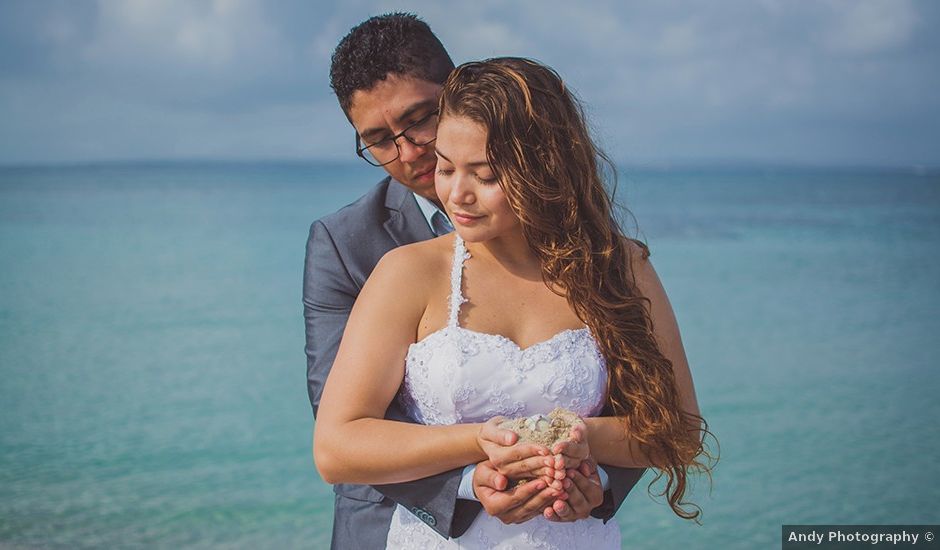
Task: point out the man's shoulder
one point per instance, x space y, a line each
357 235
370 207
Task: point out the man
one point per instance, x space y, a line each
387 75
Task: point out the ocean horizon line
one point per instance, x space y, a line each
651 166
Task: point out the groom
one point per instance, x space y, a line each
387 74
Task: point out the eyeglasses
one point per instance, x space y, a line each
387 150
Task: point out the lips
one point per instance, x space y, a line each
425 175
465 219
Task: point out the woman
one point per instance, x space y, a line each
536 301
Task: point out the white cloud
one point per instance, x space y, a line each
148 78
215 36
469 30
870 26
58 29
63 128
680 39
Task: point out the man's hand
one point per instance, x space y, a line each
515 460
585 493
517 505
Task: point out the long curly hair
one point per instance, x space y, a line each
541 151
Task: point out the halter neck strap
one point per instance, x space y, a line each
456 279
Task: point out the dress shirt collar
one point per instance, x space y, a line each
428 209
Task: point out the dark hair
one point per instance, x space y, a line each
398 43
542 154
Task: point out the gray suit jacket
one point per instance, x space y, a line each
342 250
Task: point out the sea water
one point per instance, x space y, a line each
152 375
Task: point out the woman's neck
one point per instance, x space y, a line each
511 252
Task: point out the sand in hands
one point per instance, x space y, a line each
542 429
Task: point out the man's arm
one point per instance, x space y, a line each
329 293
621 481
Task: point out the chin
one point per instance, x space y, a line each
423 189
473 235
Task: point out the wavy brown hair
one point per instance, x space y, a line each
541 151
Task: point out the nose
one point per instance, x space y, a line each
461 190
409 152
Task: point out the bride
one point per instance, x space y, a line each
537 300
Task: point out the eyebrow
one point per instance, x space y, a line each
409 112
474 164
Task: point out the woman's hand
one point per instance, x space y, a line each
569 454
514 460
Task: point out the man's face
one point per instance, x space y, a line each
388 108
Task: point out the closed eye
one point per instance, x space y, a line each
378 141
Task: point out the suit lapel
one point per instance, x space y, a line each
405 223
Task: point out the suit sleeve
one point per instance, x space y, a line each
621 483
329 293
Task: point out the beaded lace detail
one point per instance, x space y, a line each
456 281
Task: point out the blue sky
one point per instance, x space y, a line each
807 82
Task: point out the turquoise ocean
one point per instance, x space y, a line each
152 374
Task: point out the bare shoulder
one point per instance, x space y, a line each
413 268
637 248
647 281
665 325
421 257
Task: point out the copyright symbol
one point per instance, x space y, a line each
928 536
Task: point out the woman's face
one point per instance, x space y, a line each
466 185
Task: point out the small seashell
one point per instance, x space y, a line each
537 423
543 429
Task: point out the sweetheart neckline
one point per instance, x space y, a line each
504 338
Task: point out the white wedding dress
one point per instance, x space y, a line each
457 375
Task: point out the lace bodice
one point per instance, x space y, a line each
456 375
